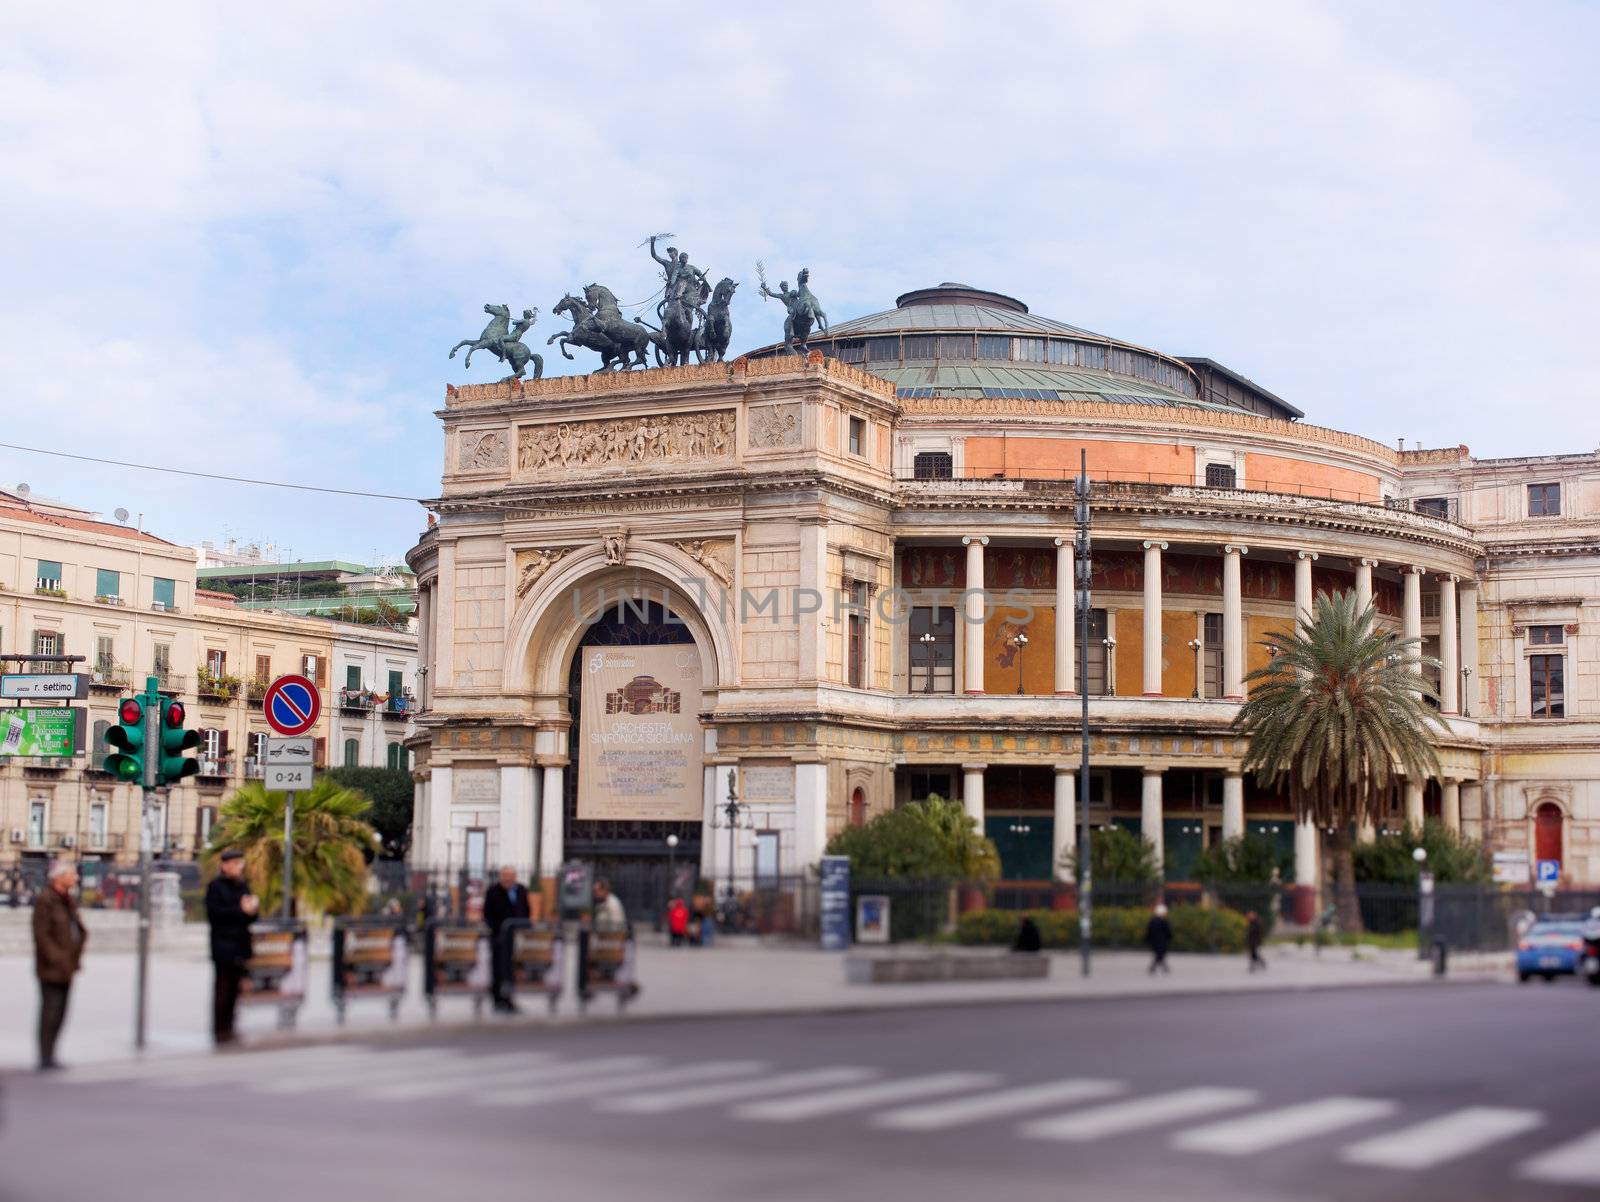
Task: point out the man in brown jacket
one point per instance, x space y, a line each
58 939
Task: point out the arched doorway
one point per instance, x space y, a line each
1547 832
858 807
631 853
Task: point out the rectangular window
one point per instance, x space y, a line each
1097 656
1546 686
46 642
163 594
397 687
883 350
97 824
107 583
932 465
1544 500
858 436
1027 350
1221 475
1211 656
313 668
477 853
1430 605
49 574
216 662
1435 507
767 859
857 634
264 667
206 819
1546 636
105 659
352 753
36 824
352 677
955 346
921 346
930 784
211 744
932 657
158 828
851 352
994 346
161 660
100 749
397 757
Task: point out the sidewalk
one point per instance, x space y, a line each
739 977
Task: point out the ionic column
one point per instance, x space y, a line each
1307 852
1414 814
1302 585
1469 648
1451 806
972 669
1449 667
552 820
1364 583
1150 823
1066 619
1411 613
1152 617
972 792
1232 623
1232 805
1066 833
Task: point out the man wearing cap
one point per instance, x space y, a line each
230 909
58 939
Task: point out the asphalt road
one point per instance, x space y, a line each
1453 1092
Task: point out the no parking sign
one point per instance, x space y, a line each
291 705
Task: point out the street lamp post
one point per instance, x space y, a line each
1020 642
1111 665
1466 682
927 640
1424 903
1195 645
732 809
672 866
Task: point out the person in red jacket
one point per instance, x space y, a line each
677 921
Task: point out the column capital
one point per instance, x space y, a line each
1413 567
974 767
1450 576
1235 549
1311 555
1467 582
968 539
1064 542
1366 562
1066 769
1233 775
1154 769
1155 544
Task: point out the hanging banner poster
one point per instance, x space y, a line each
641 744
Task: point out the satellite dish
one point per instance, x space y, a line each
120 514
23 490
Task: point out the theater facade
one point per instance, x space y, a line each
831 584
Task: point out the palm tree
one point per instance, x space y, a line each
1340 711
331 842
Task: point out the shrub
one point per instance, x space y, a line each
1194 928
1117 856
1239 872
1206 929
1451 857
933 840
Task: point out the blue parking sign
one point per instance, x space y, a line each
1549 872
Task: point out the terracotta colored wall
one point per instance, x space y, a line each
1057 458
1038 658
1130 651
1256 627
1177 672
1274 473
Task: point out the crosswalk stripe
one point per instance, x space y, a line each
937 1116
1282 1125
839 1101
674 1100
616 1082
192 1065
1137 1114
1435 1141
260 1067
495 1079
1575 1163
342 1076
432 1080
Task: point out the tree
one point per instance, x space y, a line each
1117 856
331 844
926 840
1340 711
392 794
1452 858
1240 871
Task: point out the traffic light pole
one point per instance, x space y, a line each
152 743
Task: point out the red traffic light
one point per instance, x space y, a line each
130 712
174 713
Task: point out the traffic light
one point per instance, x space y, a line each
126 763
172 765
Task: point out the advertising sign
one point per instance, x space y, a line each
32 686
38 731
370 959
641 743
1511 868
277 971
872 918
835 903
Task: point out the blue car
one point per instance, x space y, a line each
1548 948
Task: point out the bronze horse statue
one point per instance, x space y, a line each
598 325
714 334
504 341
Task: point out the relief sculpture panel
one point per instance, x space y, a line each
627 441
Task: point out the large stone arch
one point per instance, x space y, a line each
545 629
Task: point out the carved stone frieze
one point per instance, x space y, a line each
484 450
533 564
620 442
715 555
775 426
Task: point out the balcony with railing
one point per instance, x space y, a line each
215 768
48 587
398 709
109 599
254 769
168 681
104 841
214 687
110 675
356 701
256 689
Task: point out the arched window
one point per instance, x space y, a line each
1547 832
352 753
858 807
397 755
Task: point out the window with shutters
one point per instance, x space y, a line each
1221 475
216 662
397 756
1211 656
397 685
932 649
101 749
933 465
1097 655
49 574
320 752
264 667
1547 685
352 677
856 634
352 753
315 669
858 436
161 662
105 658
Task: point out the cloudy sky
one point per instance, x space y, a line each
241 239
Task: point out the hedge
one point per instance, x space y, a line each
1194 928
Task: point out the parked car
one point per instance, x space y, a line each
1550 947
1591 947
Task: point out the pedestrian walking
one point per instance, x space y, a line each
1028 938
230 909
1252 938
677 921
609 914
58 939
1158 937
506 899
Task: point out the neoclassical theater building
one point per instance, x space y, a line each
838 583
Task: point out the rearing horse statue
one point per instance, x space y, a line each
504 341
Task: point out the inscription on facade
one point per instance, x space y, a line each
767 784
624 441
477 784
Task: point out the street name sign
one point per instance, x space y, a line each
44 686
288 763
291 705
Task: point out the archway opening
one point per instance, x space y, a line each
1547 832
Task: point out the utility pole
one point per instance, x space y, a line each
1082 568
